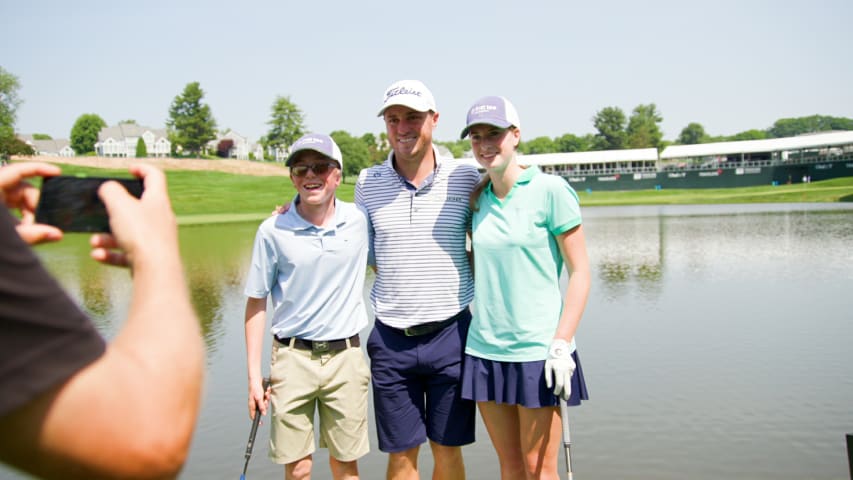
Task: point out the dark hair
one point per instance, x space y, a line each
475 194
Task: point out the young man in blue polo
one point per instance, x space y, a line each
310 261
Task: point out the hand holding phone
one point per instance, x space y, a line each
72 203
17 193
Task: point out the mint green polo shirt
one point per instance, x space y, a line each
517 265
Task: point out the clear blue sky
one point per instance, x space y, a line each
730 65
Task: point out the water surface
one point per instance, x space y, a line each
716 344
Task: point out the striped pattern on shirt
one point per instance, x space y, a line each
418 241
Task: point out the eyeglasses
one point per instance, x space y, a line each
317 168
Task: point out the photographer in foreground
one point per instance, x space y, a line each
71 405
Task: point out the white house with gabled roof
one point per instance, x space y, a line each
120 141
242 148
58 147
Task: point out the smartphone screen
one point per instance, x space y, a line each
72 203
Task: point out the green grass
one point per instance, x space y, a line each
829 191
214 197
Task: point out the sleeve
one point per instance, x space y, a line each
564 211
46 338
360 202
262 271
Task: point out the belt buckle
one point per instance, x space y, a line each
320 347
412 331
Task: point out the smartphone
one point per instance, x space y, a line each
72 204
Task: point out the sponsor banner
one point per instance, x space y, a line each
676 175
715 173
823 166
577 179
747 170
645 176
610 178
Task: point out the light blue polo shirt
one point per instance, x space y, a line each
315 275
517 300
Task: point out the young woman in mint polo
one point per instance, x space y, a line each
520 357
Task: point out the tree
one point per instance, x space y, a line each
753 134
538 145
378 148
9 102
692 134
42 136
14 146
790 127
141 149
572 143
84 133
287 124
191 125
354 150
457 148
610 123
643 127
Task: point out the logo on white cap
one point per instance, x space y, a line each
408 93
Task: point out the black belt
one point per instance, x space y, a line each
430 327
321 346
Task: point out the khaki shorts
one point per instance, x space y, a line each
332 384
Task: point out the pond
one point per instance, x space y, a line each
716 344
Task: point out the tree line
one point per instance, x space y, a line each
191 127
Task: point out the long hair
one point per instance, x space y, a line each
475 194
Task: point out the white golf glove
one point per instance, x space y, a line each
559 368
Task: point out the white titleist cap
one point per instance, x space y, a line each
409 93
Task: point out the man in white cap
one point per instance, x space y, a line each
419 215
311 261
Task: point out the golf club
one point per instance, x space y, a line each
253 432
567 438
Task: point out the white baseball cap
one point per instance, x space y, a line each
409 93
497 111
322 144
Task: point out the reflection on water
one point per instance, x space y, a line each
716 344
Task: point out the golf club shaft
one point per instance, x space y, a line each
567 438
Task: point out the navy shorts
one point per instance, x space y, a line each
516 383
416 386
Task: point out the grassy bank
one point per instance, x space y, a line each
211 197
829 191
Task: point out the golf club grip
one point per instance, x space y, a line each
564 414
256 421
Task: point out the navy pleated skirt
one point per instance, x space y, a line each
516 383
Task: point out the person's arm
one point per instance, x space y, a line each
573 249
256 310
132 412
559 365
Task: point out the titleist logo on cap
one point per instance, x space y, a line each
402 90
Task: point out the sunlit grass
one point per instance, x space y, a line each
215 197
